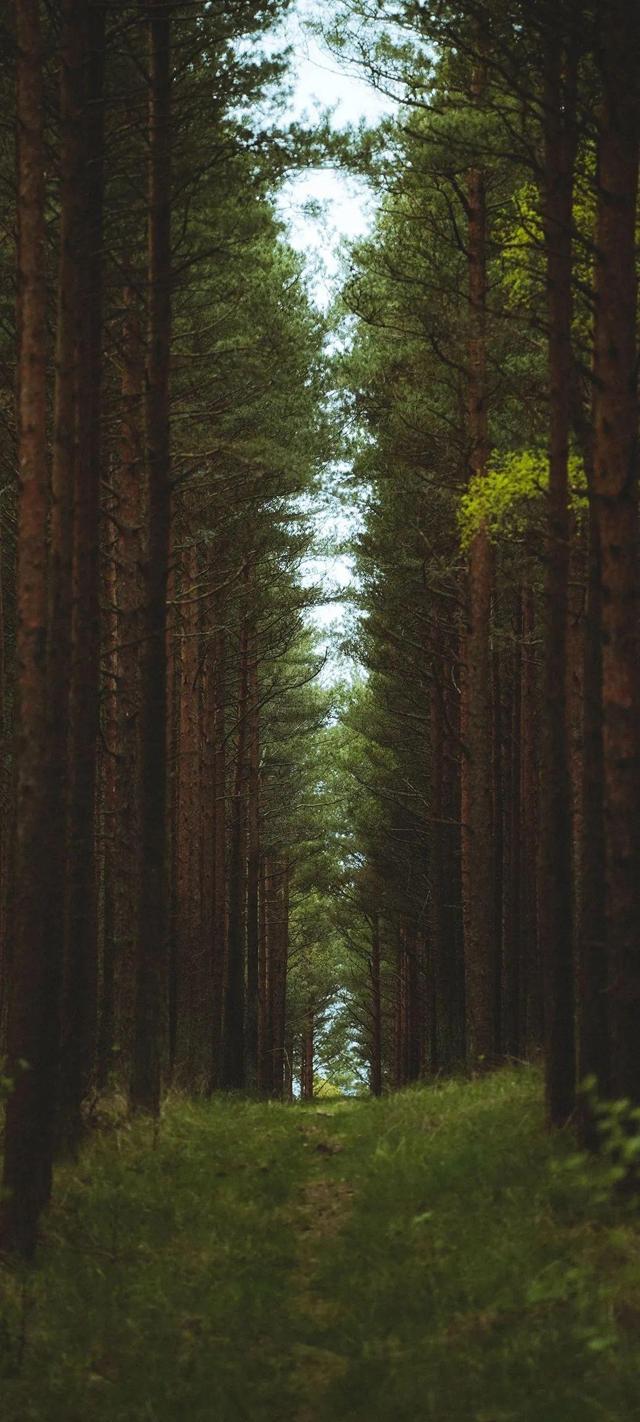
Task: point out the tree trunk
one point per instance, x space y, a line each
557 859
33 1003
306 1080
480 947
81 997
531 993
593 1018
376 1010
65 477
233 1064
152 900
253 870
278 933
266 1027
615 507
219 938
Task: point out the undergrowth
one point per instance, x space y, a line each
474 1269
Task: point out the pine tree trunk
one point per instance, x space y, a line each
265 1057
233 1064
376 1010
557 859
306 1082
512 934
81 997
531 994
187 829
278 933
478 877
593 1019
150 1009
131 516
219 936
253 871
615 507
65 477
33 1003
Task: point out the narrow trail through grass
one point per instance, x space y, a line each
433 1256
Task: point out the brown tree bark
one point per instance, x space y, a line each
81 994
186 927
375 1078
130 517
593 1006
33 1004
477 839
219 932
512 922
557 922
615 511
265 1023
65 473
531 991
253 869
108 795
150 1009
233 1057
278 934
306 1075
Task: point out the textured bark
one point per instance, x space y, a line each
253 870
278 934
480 947
130 516
531 993
33 1003
266 972
109 810
615 509
206 816
557 859
65 472
501 735
593 1018
306 1074
512 923
401 1044
233 1059
81 988
186 928
152 900
219 932
375 1078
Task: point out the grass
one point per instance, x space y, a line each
434 1256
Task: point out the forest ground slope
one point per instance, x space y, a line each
432 1256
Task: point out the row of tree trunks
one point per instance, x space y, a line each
126 660
614 503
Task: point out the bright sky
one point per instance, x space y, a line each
347 210
320 83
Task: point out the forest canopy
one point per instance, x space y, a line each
237 855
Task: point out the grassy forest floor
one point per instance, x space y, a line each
433 1256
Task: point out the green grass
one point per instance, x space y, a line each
434 1256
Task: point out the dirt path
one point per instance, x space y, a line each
319 1216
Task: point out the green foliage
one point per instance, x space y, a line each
158 1282
471 1280
505 499
429 1255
